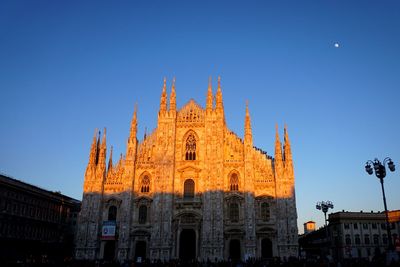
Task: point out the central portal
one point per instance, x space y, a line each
234 249
187 245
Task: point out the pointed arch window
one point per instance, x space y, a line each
190 151
112 213
142 214
145 184
234 182
234 212
265 212
188 189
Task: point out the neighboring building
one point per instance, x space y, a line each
35 224
352 235
360 234
192 189
309 227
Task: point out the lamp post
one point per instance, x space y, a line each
380 172
325 206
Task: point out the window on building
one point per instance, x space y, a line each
346 226
234 212
142 214
383 226
384 239
112 213
265 211
376 239
374 226
348 240
145 184
366 239
234 182
357 239
188 189
365 225
190 148
355 225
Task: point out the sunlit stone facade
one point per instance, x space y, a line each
191 189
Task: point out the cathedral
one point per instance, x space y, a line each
192 190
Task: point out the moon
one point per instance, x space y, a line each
336 45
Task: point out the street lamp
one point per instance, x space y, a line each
324 206
380 172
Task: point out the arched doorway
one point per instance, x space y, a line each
140 250
109 251
187 245
266 248
234 249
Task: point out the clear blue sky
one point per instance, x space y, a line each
67 67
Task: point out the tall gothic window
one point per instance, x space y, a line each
142 214
234 182
112 213
190 148
188 189
145 184
234 212
265 212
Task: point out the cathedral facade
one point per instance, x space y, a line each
191 189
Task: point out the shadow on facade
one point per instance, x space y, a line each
204 226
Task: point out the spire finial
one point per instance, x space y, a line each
247 126
110 162
286 146
172 99
103 141
219 104
133 130
209 104
163 101
93 149
278 147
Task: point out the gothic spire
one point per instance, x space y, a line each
133 130
286 147
93 149
172 99
219 104
248 136
163 101
278 151
98 148
110 161
103 148
103 141
209 105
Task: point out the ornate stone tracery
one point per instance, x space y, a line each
190 175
